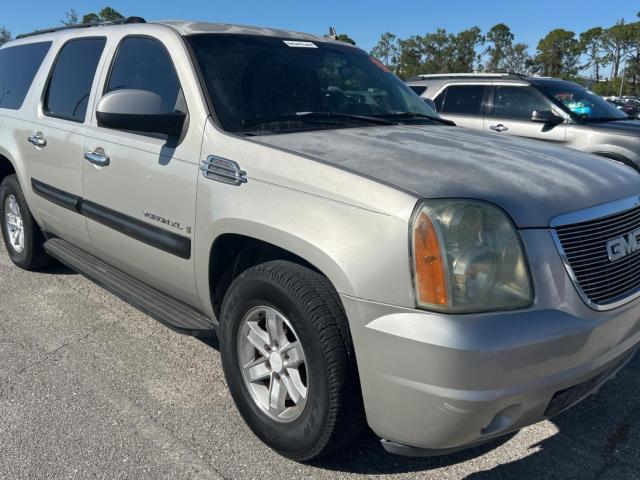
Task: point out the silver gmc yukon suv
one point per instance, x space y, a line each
360 260
544 108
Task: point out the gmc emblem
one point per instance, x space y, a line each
621 247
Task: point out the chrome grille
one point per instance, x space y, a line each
601 281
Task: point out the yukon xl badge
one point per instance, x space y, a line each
166 221
620 247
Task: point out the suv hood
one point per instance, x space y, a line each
531 180
620 127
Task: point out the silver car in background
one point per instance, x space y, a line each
548 109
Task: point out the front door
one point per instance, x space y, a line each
511 112
140 189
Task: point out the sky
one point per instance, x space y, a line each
364 21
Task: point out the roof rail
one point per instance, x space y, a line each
124 21
469 75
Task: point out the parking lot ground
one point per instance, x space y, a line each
92 388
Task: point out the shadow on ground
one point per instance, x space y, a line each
57 268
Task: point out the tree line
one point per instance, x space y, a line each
606 59
105 15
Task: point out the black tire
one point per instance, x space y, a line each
33 256
333 414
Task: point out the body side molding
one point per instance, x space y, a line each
132 227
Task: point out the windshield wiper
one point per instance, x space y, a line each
315 116
409 115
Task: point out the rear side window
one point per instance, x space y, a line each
461 99
70 83
18 68
144 64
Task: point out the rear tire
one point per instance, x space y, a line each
309 312
22 235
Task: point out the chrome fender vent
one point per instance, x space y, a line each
223 170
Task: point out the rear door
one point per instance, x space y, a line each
464 104
54 156
510 110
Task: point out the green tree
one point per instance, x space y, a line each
558 54
105 15
438 49
343 37
615 42
5 36
632 71
387 50
591 46
410 57
517 59
500 40
465 46
71 18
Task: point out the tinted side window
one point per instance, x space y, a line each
69 87
18 68
144 64
517 102
419 89
462 99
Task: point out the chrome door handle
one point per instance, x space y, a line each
97 158
498 128
37 140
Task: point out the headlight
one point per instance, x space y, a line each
467 257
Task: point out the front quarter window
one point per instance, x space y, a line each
260 83
583 105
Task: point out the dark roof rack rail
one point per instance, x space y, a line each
124 21
479 75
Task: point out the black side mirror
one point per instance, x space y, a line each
546 116
138 111
430 103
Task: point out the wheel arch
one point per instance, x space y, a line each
6 167
234 251
618 157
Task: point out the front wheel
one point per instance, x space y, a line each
287 361
22 235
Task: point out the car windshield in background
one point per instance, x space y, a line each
262 84
583 104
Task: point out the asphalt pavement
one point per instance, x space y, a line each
92 388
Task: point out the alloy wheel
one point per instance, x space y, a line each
14 224
273 364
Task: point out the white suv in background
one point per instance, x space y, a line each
548 109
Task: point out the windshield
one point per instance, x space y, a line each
262 84
584 105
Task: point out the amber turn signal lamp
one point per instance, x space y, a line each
431 287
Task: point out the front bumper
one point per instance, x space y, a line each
438 383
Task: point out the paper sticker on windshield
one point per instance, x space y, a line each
298 44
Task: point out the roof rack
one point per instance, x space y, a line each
469 75
125 21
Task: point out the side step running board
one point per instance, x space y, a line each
171 312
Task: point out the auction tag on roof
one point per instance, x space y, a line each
298 44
